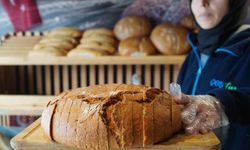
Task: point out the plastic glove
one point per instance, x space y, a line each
201 113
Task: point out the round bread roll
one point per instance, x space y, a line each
86 52
132 26
104 31
102 46
47 52
136 46
66 31
111 116
170 39
100 38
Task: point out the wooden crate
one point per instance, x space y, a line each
20 74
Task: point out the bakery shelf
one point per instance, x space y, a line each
15 47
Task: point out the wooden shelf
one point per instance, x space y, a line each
23 104
104 60
15 47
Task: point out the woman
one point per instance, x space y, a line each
215 75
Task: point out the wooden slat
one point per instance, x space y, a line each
166 77
8 120
101 74
48 80
147 75
157 81
1 121
2 80
139 73
22 105
19 34
119 74
11 33
39 79
5 121
37 33
74 76
129 74
110 74
21 80
65 78
31 80
56 80
28 34
83 76
92 75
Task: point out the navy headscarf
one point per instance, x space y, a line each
211 39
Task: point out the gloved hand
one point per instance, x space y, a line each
201 113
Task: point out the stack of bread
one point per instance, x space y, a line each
111 116
95 42
57 42
133 33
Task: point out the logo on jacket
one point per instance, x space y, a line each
221 84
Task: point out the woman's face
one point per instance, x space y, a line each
209 13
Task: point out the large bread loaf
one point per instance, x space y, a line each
111 116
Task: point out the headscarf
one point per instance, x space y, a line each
211 39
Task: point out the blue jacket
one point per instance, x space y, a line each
225 75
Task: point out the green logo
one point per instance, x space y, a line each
229 86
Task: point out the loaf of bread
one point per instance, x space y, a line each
56 43
111 116
65 45
136 46
101 46
86 52
101 40
57 38
170 39
102 31
132 26
47 52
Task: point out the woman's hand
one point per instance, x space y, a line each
201 113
